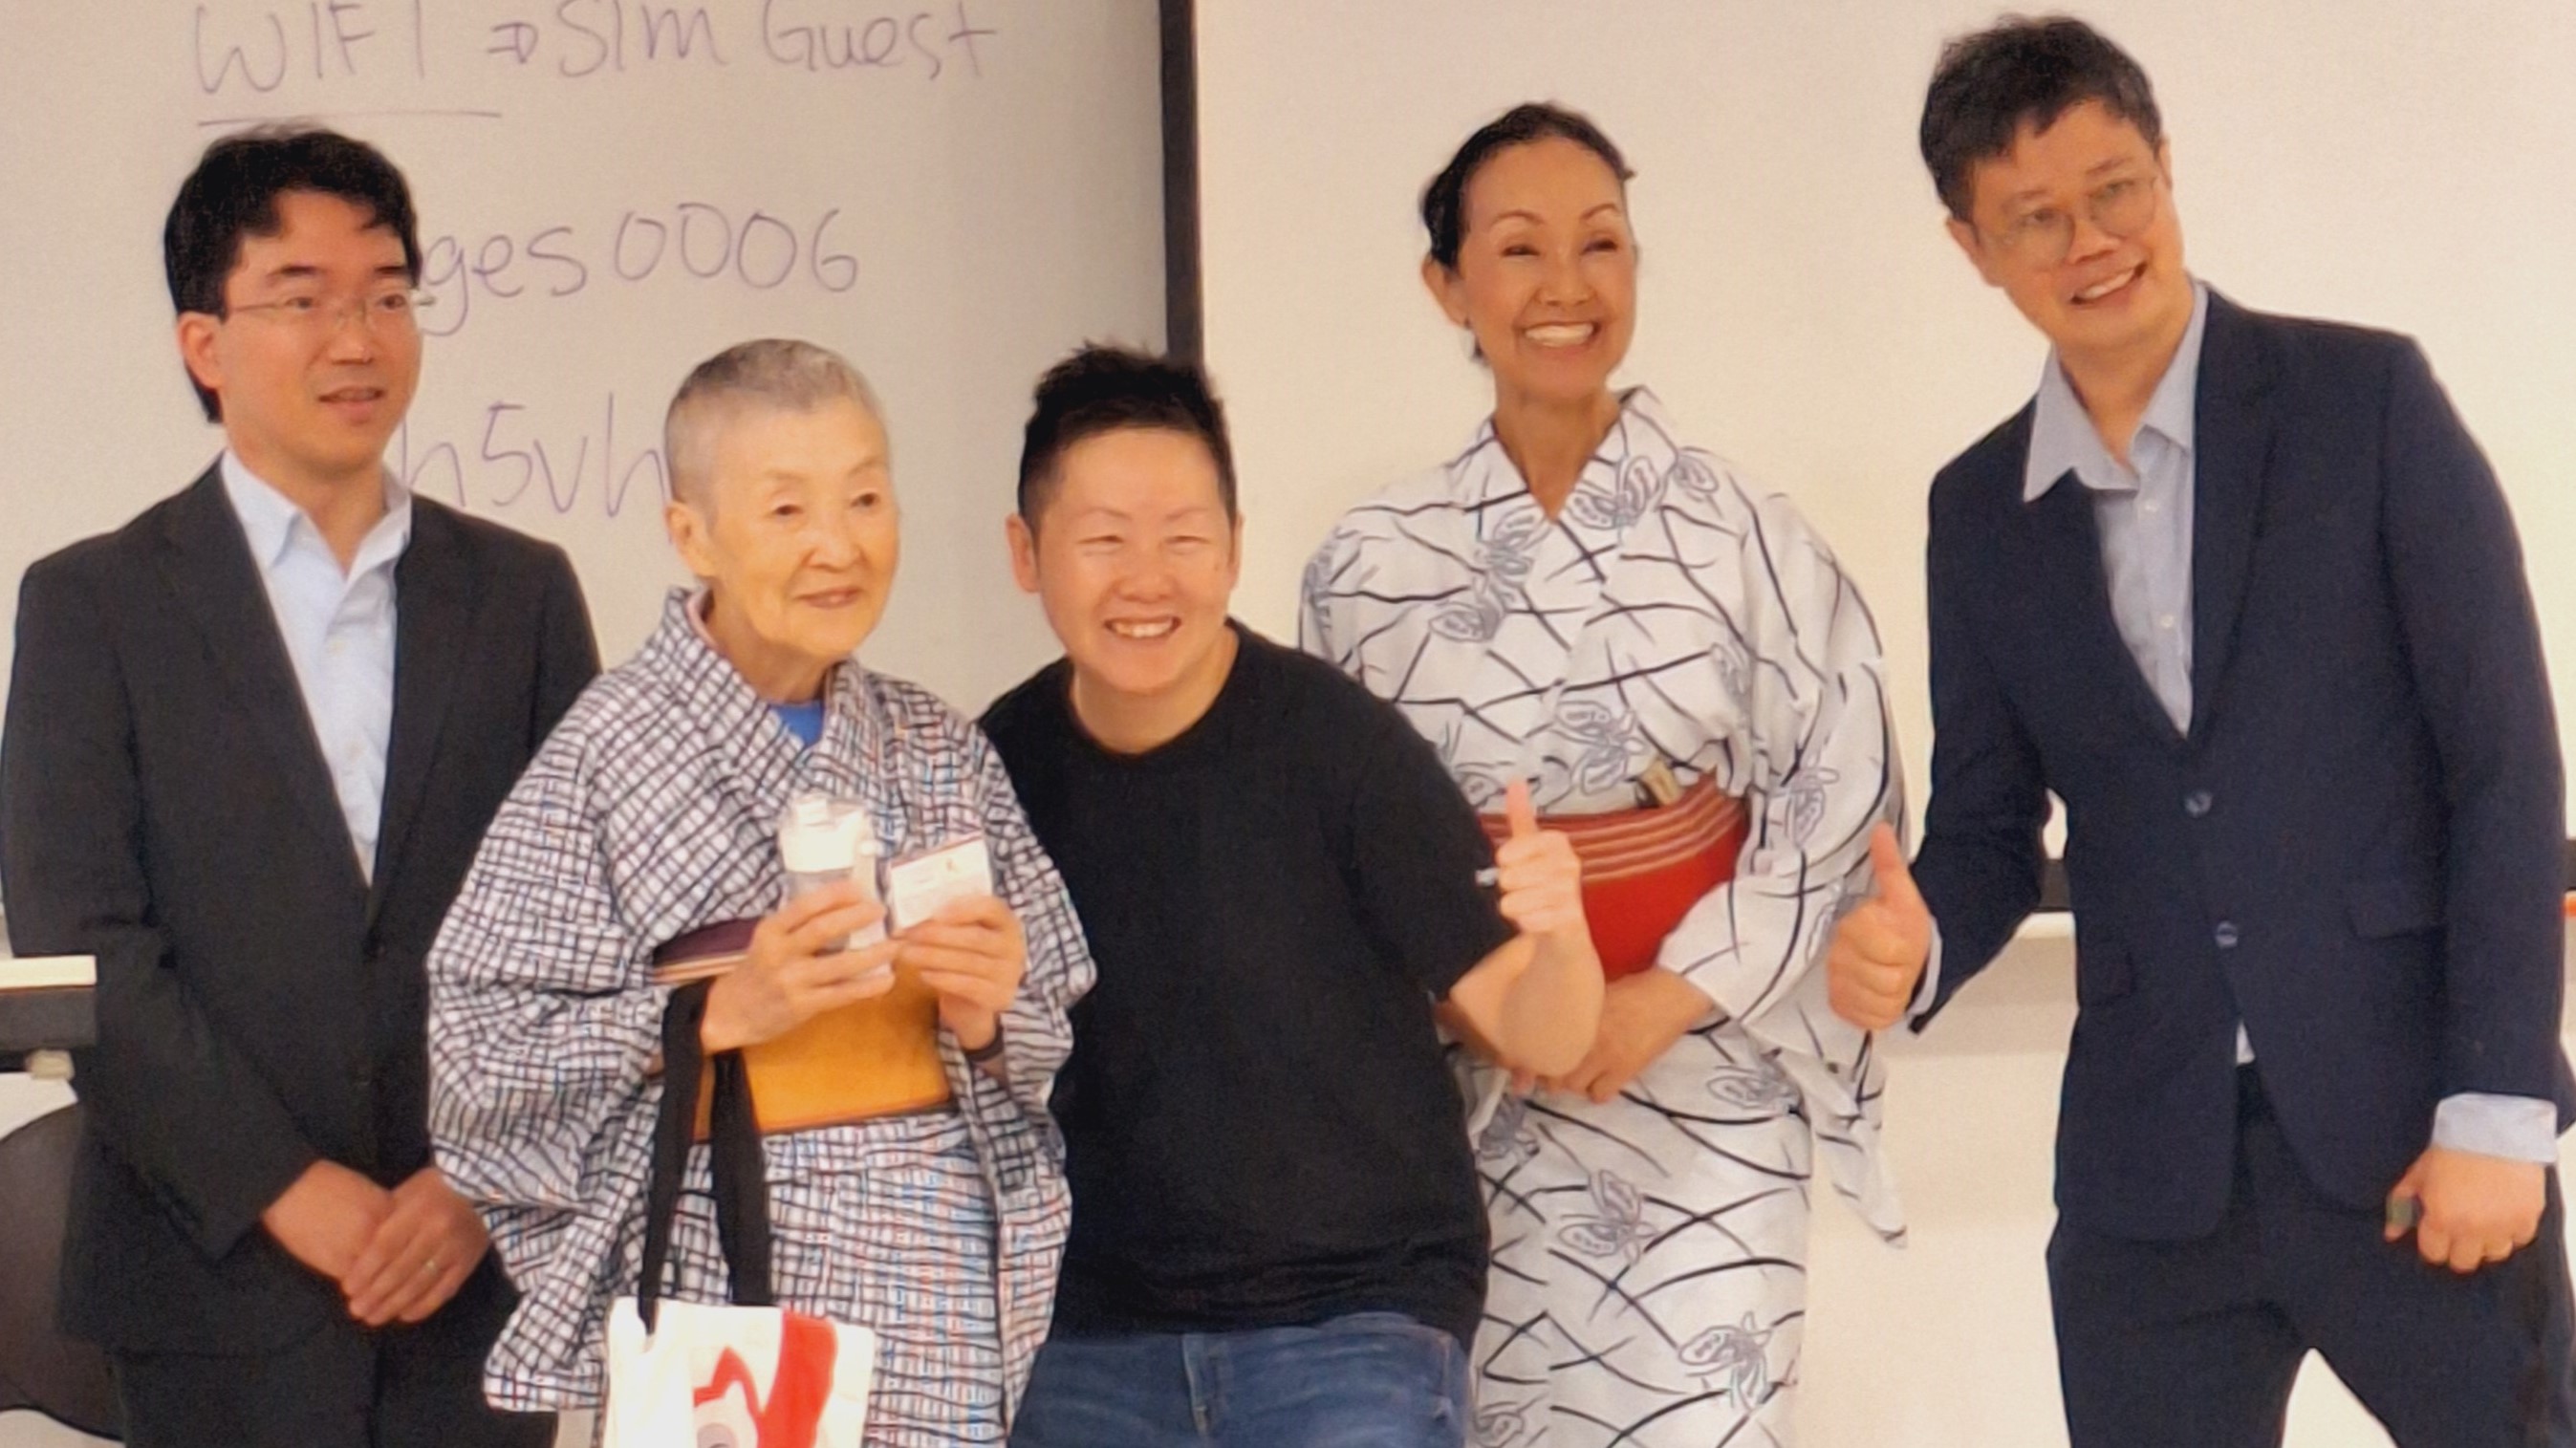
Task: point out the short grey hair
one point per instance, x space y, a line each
774 372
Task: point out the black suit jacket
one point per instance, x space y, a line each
168 811
2355 848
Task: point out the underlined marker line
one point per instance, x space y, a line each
344 116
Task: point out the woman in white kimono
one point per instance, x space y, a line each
649 817
1580 598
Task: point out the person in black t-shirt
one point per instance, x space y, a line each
1277 1235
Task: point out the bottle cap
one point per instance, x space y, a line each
820 835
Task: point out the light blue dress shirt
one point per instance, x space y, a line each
339 633
2143 512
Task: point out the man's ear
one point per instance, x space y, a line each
197 333
1973 247
1024 552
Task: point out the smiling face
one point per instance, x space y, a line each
2076 224
795 537
313 380
1134 560
1547 272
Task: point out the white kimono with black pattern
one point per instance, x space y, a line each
651 812
1648 1284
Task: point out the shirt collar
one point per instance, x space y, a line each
274 525
2062 437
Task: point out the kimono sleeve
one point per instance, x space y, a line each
1823 772
543 1020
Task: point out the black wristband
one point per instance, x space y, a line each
990 1051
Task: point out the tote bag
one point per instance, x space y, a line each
745 1375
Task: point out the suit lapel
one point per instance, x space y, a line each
2232 439
2069 543
435 594
206 560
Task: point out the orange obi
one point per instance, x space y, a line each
1643 869
873 1058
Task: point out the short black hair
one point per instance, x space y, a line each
233 193
2019 71
1101 389
1444 199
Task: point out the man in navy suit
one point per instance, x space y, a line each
2241 591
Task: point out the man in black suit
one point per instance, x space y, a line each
2242 592
253 740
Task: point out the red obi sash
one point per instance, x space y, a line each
871 1058
1643 869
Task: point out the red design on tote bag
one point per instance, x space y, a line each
798 1390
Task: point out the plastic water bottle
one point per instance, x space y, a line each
824 841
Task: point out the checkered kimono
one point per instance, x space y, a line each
651 812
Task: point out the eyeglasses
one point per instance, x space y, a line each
396 309
2121 207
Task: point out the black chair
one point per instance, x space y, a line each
65 1380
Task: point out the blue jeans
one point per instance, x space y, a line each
1369 1380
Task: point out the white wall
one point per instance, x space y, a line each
1801 310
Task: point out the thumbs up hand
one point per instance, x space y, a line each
1881 948
1540 879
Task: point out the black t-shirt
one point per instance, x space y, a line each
1259 1128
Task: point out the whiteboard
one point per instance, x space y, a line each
953 193
1801 310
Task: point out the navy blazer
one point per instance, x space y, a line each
2356 849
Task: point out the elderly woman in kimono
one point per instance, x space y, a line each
650 815
1581 598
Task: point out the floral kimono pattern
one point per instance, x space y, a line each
1648 1279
